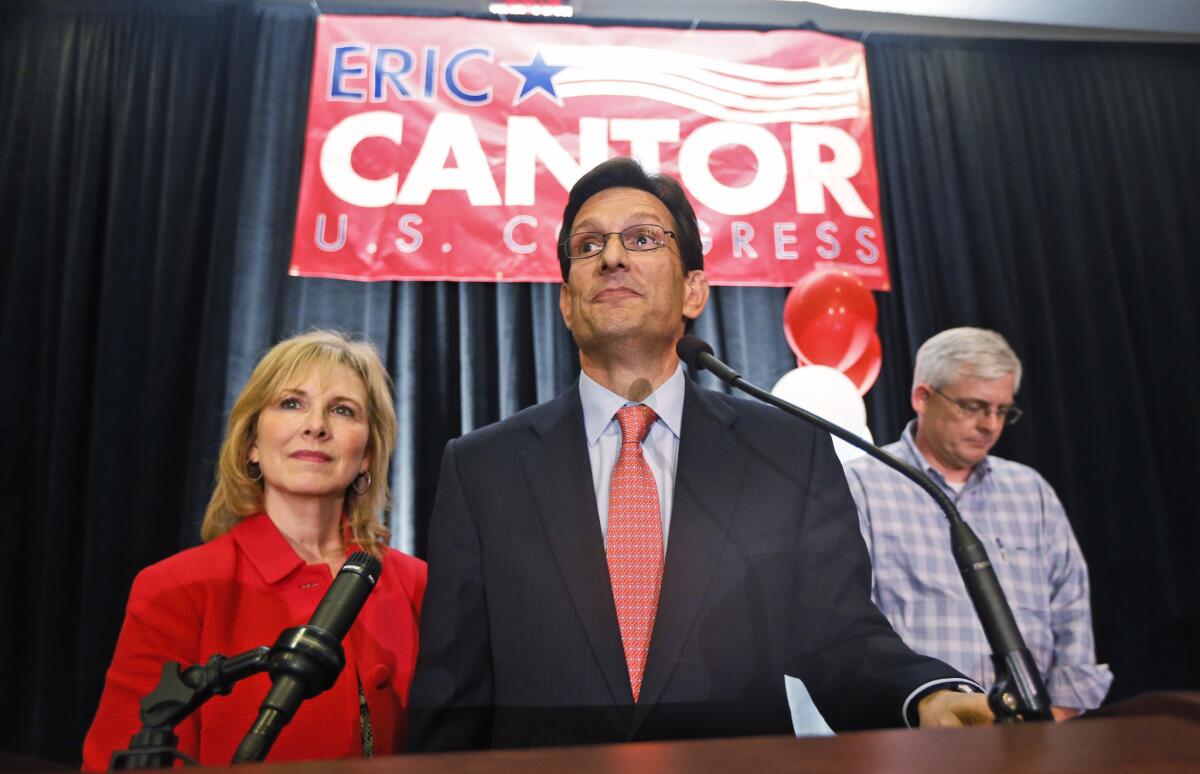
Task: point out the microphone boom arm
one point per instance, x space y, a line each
1019 693
177 695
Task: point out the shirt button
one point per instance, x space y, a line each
381 675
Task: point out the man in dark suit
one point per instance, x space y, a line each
640 558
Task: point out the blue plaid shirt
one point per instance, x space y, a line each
1023 526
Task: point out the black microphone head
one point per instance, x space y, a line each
362 563
689 350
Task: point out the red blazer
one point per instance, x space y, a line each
235 593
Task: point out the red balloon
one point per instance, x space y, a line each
865 371
829 318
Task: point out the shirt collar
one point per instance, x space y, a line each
600 404
266 547
914 456
269 551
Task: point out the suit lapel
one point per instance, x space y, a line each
559 475
709 465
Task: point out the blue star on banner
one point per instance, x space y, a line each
536 75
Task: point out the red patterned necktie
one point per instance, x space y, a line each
635 547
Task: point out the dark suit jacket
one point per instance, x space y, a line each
766 574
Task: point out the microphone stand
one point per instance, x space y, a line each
1019 693
178 695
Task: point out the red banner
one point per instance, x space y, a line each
443 148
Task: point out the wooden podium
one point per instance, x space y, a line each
1150 733
1153 732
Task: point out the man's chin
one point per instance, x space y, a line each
612 328
616 340
974 456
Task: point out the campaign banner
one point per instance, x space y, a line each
443 148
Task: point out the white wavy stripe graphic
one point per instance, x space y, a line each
732 85
716 96
703 106
655 59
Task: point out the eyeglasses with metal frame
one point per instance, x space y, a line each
641 238
974 409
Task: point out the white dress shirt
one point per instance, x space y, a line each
660 449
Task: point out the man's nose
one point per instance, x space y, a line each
992 419
616 257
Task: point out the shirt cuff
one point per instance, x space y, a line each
1079 686
909 711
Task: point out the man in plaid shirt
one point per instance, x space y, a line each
963 388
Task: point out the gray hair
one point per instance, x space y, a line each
958 352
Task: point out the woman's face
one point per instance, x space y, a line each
312 438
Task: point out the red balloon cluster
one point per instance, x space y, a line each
829 319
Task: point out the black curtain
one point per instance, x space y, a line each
149 163
114 135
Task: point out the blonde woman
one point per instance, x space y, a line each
301 480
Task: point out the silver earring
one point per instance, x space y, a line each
362 483
254 471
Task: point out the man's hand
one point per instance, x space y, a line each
944 709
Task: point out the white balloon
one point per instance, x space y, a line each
844 451
831 395
826 392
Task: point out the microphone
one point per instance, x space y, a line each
1019 692
306 660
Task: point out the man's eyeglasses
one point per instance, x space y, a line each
639 239
975 409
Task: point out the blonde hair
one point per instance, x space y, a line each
236 495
